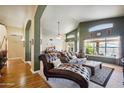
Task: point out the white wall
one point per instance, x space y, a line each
3 33
15 45
59 44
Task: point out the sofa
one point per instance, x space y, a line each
52 72
71 57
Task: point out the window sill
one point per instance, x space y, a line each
103 56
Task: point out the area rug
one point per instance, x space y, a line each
102 76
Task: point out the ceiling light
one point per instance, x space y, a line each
59 36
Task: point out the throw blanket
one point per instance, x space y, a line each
77 61
79 69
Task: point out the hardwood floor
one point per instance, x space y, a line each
17 74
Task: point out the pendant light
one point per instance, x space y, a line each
59 36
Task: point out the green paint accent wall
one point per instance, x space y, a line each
83 33
27 42
39 12
118 30
84 28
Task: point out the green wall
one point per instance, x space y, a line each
118 30
27 42
37 17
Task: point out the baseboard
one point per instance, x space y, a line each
15 58
38 71
29 62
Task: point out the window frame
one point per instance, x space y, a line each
94 48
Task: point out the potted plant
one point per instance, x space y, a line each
89 49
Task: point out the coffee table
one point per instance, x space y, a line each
93 65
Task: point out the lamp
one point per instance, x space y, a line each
59 36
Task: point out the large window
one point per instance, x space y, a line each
108 47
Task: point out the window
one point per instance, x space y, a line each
101 48
71 36
101 27
112 48
108 47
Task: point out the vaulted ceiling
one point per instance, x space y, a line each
71 15
68 15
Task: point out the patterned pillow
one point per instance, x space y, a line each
56 63
69 55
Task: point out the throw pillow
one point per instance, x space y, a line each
56 63
74 57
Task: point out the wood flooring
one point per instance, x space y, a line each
17 74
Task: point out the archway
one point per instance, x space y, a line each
27 42
39 13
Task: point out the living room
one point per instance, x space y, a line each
98 38
53 46
69 46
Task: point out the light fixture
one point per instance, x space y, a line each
59 36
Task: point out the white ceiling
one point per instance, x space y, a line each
13 15
70 16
